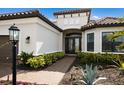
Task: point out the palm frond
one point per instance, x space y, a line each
115 35
121 46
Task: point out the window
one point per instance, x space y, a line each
117 42
90 42
110 46
107 46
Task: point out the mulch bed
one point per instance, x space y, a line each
6 82
111 73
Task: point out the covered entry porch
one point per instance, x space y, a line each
72 41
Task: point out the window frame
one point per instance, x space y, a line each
90 50
113 49
110 41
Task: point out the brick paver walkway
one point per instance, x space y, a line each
52 75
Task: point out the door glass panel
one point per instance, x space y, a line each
77 45
70 45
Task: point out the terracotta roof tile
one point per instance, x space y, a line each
72 11
104 22
28 14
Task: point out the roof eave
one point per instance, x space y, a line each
101 25
49 22
71 12
29 15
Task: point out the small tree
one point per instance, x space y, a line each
120 64
116 35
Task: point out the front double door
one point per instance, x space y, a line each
72 45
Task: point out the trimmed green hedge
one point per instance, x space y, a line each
44 60
97 58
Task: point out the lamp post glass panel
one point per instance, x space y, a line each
14 38
14 33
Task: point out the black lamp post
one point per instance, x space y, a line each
14 38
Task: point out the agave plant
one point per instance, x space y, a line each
90 75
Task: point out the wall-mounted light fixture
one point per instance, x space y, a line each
28 39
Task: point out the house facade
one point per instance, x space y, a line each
95 35
43 36
71 22
72 31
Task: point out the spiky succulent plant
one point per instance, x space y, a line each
90 75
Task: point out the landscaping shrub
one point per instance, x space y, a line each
25 56
36 62
106 59
44 60
49 58
86 58
53 57
59 55
97 58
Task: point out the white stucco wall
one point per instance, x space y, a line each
48 39
97 37
39 32
67 21
27 27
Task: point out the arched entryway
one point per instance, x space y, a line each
72 41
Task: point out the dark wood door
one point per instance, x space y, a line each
72 45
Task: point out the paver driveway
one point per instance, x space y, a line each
52 75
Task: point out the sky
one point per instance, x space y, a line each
96 13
